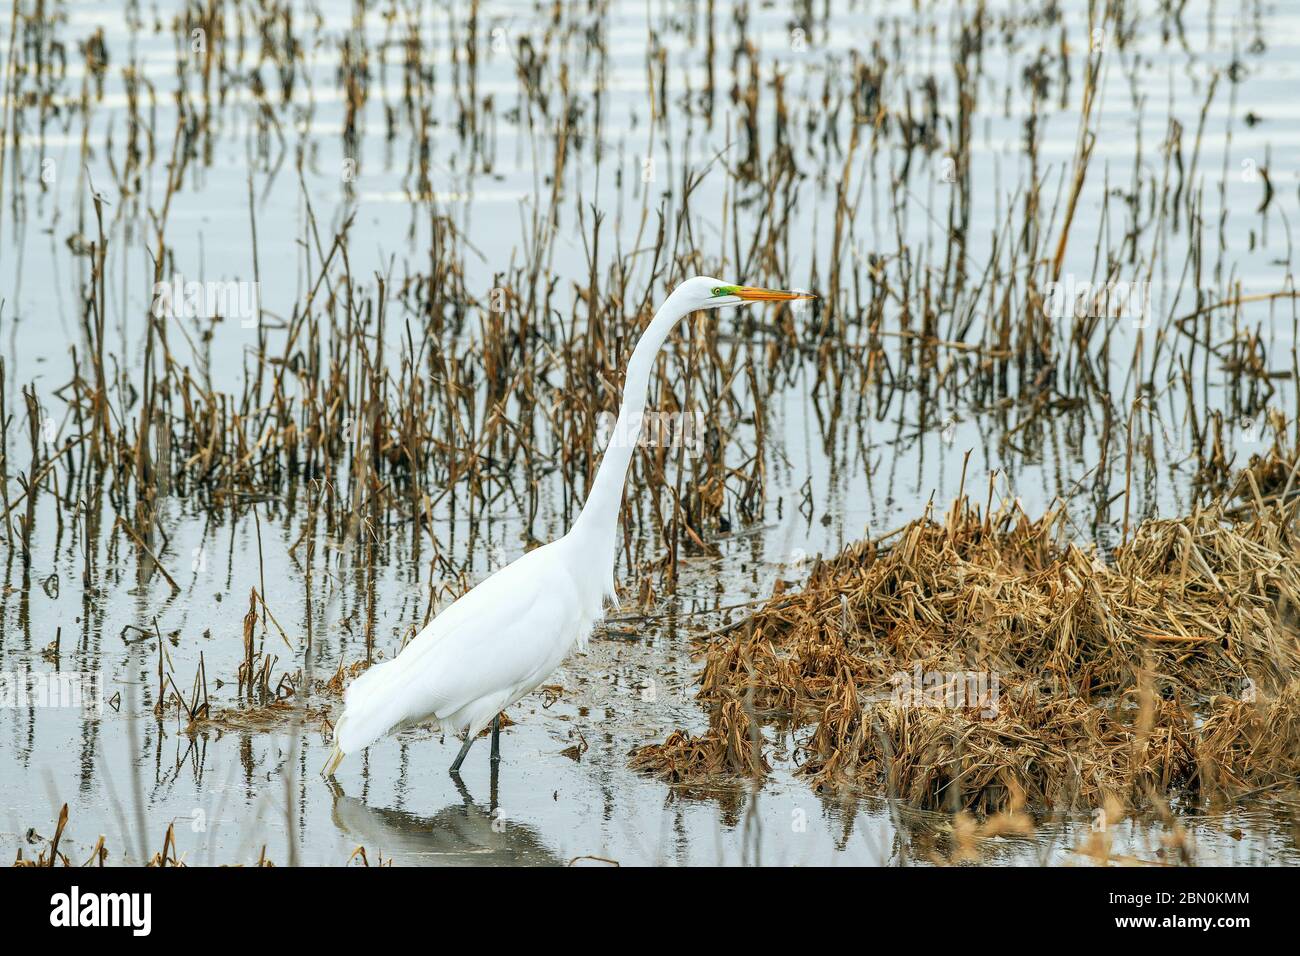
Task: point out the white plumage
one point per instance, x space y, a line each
503 639
493 645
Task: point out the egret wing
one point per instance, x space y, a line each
497 641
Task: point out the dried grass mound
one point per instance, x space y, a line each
730 748
1172 670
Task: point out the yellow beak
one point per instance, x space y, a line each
769 295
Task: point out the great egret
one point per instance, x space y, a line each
502 639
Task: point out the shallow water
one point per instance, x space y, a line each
230 792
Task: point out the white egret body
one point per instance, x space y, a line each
501 640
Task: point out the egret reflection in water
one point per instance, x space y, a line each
460 834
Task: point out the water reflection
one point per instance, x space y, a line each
460 834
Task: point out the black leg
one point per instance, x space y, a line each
460 757
496 739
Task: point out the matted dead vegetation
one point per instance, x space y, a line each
1171 670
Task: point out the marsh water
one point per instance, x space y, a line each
287 148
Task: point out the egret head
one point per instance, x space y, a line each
706 292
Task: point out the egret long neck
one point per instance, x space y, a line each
598 521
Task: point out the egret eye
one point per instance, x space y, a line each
720 290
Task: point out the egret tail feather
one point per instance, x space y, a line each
371 707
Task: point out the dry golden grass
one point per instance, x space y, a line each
1175 669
